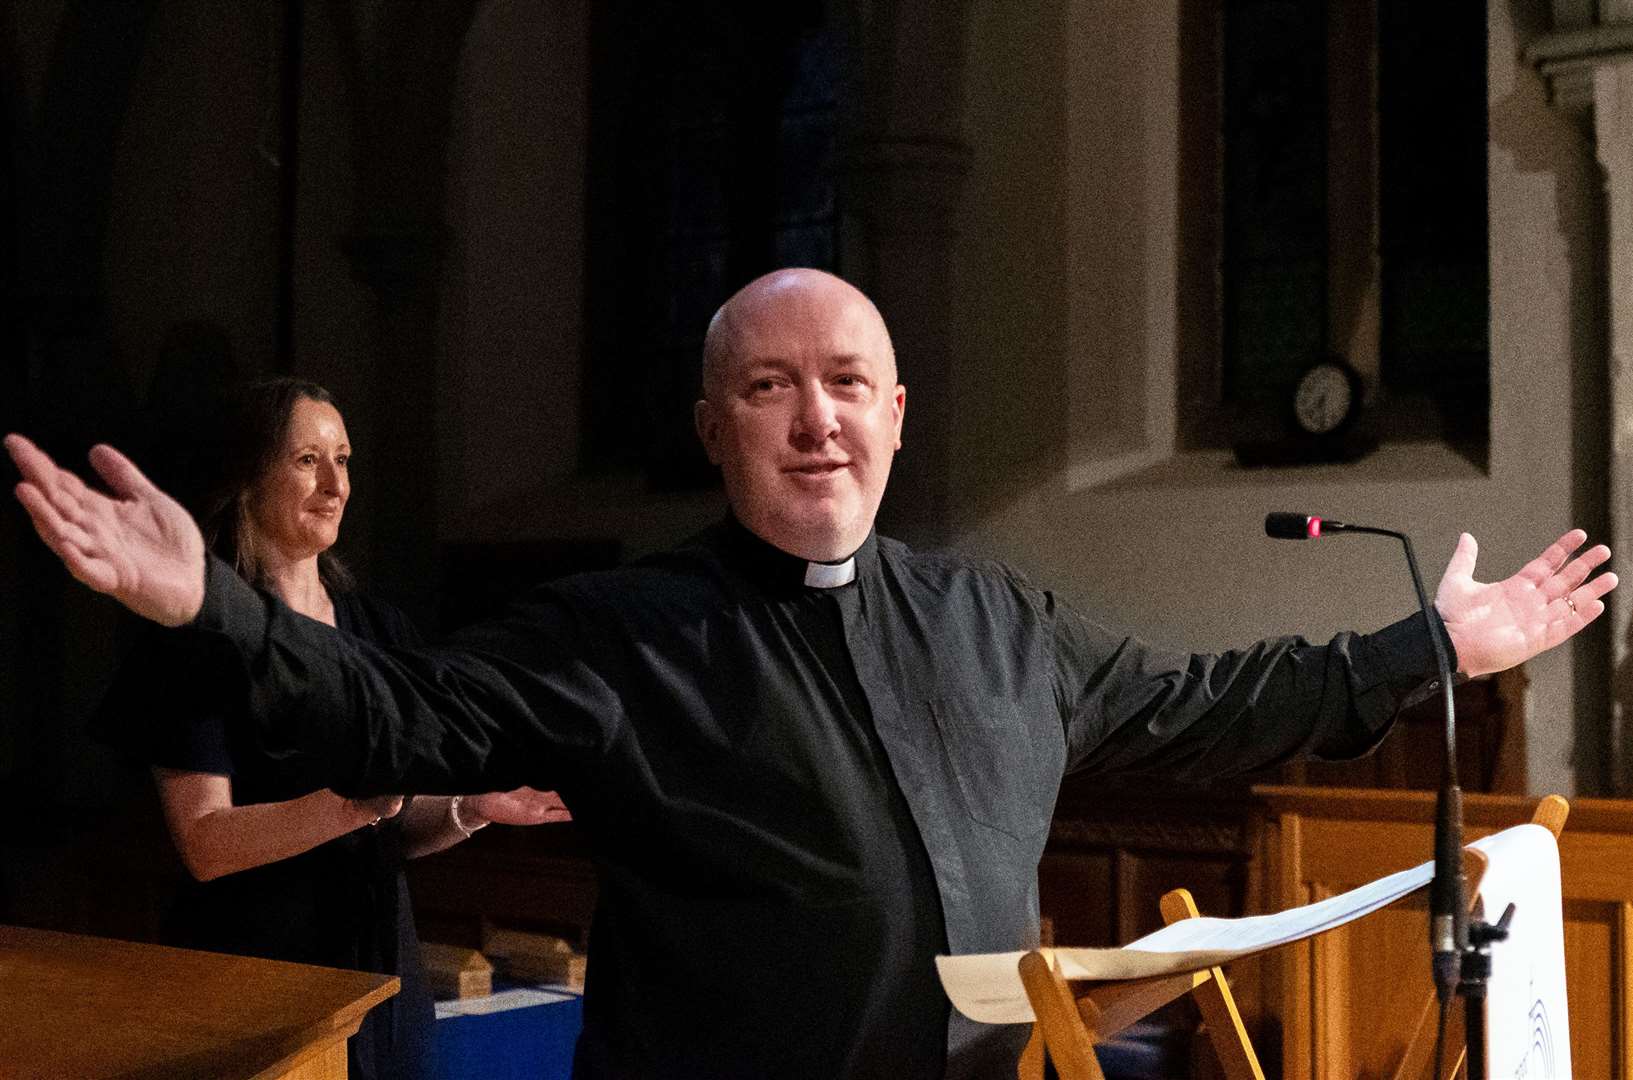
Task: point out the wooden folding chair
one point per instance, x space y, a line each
1070 1024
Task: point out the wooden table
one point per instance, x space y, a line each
88 1008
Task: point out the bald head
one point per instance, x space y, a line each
795 297
801 410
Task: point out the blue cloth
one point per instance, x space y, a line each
528 1042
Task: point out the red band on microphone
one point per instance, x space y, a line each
1314 528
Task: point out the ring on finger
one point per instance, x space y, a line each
1570 603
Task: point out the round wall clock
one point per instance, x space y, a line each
1326 398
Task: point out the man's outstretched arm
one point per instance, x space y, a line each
1143 709
138 545
335 709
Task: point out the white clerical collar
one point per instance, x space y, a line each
821 575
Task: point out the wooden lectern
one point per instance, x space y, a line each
92 1008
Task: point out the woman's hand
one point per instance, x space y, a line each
523 806
431 823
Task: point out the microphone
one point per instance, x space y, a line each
1448 914
1279 525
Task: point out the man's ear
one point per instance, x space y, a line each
901 411
708 429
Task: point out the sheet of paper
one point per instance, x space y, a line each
520 997
1527 1021
987 987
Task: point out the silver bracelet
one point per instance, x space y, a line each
453 818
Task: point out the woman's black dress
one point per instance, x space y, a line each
342 904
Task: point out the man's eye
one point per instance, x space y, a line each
308 459
343 460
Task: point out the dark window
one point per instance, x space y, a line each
1432 213
712 160
1275 191
1347 136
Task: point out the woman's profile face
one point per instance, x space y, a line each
297 504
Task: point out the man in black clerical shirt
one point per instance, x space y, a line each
808 758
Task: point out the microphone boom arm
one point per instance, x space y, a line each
1448 911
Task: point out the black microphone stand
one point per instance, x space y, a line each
1461 951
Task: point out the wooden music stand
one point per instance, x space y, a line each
1070 1022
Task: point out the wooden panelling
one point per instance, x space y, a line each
1490 744
1591 930
538 878
1072 889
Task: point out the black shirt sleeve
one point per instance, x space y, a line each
508 703
1129 707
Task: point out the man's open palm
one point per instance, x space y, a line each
1499 624
138 546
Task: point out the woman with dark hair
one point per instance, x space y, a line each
282 872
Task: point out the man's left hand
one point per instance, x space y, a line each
1495 625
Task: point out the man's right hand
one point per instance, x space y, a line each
140 547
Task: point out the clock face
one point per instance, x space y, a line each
1324 400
